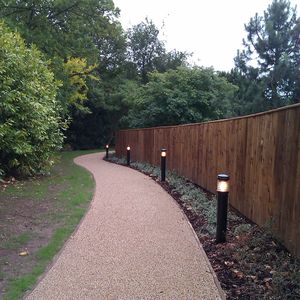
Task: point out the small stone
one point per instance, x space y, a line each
229 263
268 267
24 253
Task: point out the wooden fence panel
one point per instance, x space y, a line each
261 153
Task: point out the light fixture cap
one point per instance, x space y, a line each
223 177
128 148
223 183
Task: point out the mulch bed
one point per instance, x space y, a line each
246 264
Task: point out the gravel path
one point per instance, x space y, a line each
133 243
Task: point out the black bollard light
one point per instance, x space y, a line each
223 191
163 158
128 156
107 148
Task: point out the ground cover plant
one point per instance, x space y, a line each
36 217
252 264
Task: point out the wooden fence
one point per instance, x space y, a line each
260 152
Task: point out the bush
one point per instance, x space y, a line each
30 124
185 95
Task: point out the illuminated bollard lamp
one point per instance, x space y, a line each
223 191
163 157
128 156
107 148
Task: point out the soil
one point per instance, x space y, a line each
25 217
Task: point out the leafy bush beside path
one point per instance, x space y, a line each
30 124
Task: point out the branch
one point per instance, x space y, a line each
54 15
18 9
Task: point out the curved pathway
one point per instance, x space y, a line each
133 243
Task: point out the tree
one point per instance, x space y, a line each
67 31
78 71
30 124
144 47
64 28
274 40
84 40
171 60
249 97
180 96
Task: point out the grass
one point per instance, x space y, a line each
17 241
69 189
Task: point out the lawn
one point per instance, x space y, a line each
36 217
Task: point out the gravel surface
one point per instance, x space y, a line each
133 243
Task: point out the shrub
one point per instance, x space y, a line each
30 124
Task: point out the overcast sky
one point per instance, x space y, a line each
211 29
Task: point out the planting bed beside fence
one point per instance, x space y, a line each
260 152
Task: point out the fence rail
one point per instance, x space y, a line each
260 152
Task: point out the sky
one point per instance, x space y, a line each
212 30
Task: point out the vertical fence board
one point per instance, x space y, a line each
261 153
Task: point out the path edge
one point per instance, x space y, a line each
213 273
221 292
58 254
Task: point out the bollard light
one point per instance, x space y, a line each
107 148
223 183
163 159
128 156
223 191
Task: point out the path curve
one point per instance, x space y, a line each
133 243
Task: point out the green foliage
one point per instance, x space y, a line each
118 89
78 71
249 97
30 126
242 229
107 104
273 43
63 28
147 53
69 32
141 166
171 60
195 199
185 95
144 47
16 242
81 38
88 131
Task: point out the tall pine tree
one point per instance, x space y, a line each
273 43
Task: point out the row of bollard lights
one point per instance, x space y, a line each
222 193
